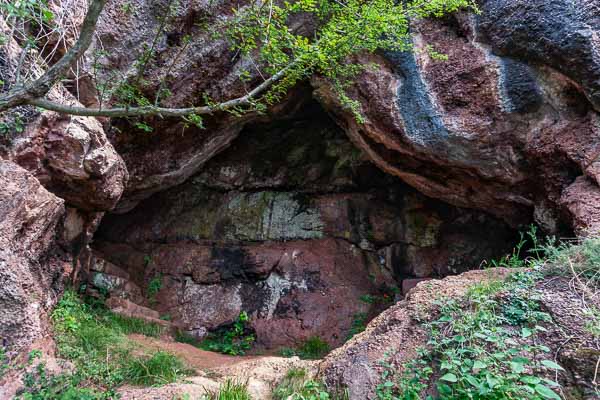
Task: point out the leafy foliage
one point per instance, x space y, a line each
233 340
27 10
154 287
39 385
482 349
13 124
260 32
344 28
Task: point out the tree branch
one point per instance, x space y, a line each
162 111
33 94
41 86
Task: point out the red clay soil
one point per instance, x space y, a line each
194 357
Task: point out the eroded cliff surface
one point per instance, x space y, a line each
294 214
292 225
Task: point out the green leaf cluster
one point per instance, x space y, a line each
343 28
234 340
40 385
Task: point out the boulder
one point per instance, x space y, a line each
73 159
70 156
561 34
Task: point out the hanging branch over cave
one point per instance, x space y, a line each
347 28
33 94
155 110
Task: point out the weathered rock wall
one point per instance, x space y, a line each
58 175
292 225
31 269
506 124
287 216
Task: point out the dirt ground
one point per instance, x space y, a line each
260 372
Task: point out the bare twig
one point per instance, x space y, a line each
20 64
594 381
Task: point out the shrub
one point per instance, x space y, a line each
41 386
233 340
154 287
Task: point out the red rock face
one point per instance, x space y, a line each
70 156
57 176
292 226
284 217
478 130
31 273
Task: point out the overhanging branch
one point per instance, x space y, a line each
162 111
34 93
41 86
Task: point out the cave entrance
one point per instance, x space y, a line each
293 227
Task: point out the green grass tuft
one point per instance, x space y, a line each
158 369
298 385
229 390
581 260
313 348
292 382
287 352
3 362
359 324
129 325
